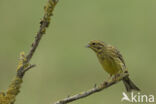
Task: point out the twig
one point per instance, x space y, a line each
44 23
29 67
92 91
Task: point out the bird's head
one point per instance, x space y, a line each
96 45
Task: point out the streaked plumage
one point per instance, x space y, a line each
112 61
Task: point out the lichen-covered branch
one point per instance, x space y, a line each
96 89
9 96
44 23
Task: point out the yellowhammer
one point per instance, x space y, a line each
112 61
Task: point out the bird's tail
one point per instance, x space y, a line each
129 84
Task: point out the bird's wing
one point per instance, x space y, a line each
116 54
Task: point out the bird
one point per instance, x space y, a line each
112 62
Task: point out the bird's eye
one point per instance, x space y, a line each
93 43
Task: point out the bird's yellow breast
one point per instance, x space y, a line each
110 65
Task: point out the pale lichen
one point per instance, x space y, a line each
12 91
22 61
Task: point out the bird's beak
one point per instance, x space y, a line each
88 46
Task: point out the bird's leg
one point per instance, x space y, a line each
110 77
116 76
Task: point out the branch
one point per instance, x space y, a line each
96 89
44 23
26 69
13 90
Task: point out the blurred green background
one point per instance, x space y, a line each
64 66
